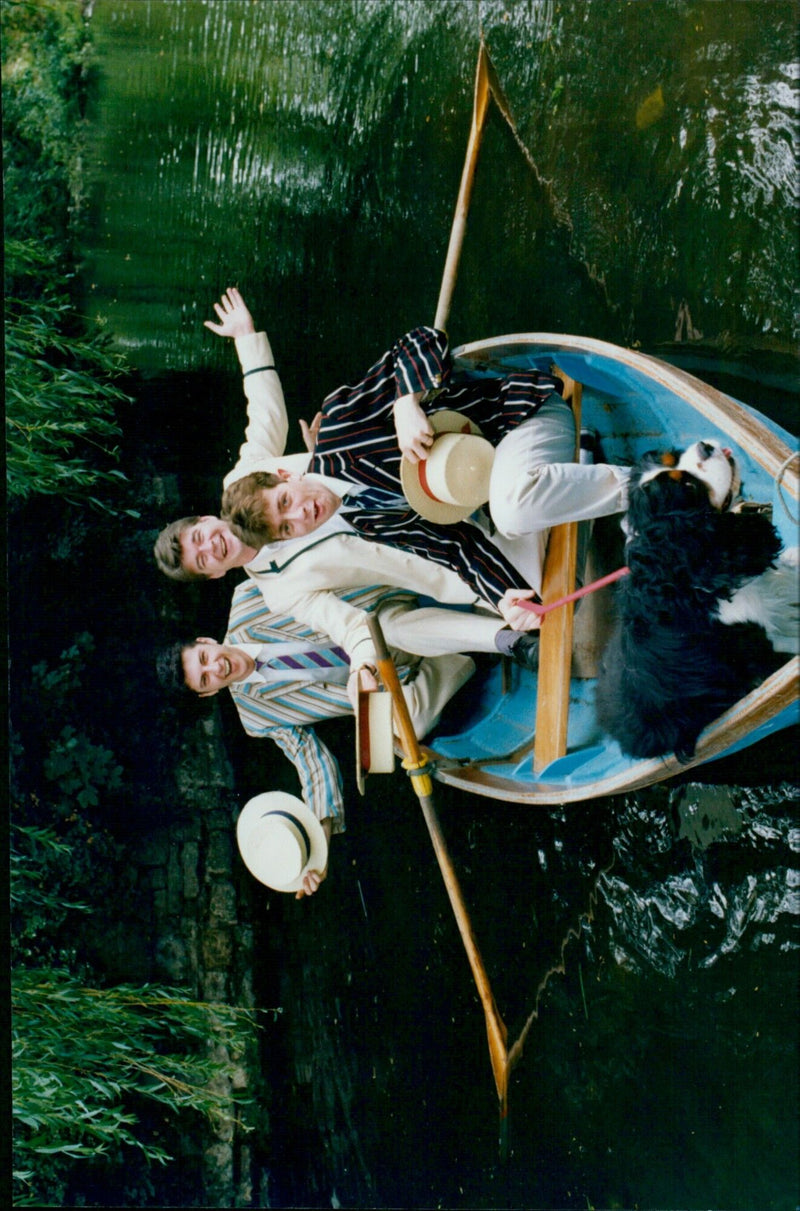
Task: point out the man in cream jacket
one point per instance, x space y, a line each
297 575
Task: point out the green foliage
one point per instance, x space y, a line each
57 870
66 676
60 852
46 62
102 1078
61 388
37 858
81 769
87 1061
61 377
98 1074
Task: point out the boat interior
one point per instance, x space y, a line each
513 733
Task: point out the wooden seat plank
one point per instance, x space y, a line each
555 644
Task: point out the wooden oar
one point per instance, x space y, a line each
414 762
480 106
416 765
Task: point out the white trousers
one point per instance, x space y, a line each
440 636
535 484
436 680
434 631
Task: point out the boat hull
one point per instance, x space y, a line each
635 403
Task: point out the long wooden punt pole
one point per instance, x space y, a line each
417 767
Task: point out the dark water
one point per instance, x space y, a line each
311 153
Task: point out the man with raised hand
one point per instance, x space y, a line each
331 547
285 678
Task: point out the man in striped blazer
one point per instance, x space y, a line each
284 703
331 547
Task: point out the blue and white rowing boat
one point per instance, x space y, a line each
635 403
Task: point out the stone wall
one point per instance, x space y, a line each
187 921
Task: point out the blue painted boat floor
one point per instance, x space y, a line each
484 722
485 725
496 723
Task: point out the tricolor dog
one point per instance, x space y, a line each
708 606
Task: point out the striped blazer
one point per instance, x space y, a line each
285 711
357 443
357 439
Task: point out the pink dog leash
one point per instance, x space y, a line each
536 608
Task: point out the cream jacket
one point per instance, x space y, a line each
296 577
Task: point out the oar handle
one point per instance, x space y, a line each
379 643
408 738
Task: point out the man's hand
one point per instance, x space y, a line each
234 318
516 616
311 432
311 883
414 432
364 676
313 878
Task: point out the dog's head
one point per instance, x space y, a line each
704 478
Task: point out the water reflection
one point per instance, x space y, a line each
660 1066
313 149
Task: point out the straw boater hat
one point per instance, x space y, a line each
280 840
374 735
454 479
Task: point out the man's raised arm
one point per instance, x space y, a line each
267 424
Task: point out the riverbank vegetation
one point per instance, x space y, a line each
62 378
98 1070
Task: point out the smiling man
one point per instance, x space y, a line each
464 567
285 678
209 667
209 548
293 505
204 547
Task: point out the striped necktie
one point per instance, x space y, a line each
303 660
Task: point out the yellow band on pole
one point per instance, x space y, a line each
422 782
